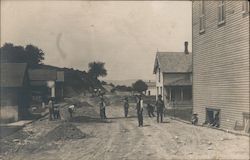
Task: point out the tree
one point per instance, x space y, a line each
140 86
96 69
34 55
19 54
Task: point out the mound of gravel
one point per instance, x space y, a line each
86 104
65 131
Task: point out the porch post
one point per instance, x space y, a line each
53 91
181 94
170 93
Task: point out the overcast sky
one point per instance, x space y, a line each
123 34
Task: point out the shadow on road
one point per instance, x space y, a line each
122 117
87 119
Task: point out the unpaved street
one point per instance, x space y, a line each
121 138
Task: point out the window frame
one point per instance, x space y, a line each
202 17
221 13
159 75
245 7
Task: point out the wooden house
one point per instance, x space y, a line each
221 62
151 91
173 72
15 95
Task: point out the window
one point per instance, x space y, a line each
161 91
221 12
159 75
173 94
245 7
202 16
213 117
187 93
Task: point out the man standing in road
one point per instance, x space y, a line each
126 106
102 108
139 108
159 108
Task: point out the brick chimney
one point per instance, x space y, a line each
186 47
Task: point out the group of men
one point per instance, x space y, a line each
54 112
159 108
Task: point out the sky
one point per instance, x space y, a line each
123 34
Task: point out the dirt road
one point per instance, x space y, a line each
121 138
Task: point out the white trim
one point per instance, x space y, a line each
221 12
245 7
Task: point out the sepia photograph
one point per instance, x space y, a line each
124 80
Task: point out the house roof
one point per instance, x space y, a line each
12 74
173 62
43 75
150 84
180 82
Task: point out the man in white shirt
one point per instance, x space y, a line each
139 108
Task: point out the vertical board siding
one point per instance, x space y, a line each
221 63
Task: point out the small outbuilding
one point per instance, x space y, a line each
15 93
46 83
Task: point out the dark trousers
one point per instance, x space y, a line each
151 113
104 112
140 119
57 114
70 112
159 114
51 114
126 111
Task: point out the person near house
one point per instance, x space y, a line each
139 108
216 120
126 106
51 109
150 110
159 108
194 119
71 110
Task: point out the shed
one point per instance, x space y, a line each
15 95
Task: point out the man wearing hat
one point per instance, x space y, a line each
159 108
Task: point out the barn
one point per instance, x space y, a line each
15 94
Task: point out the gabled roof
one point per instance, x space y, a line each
150 84
12 74
43 75
173 62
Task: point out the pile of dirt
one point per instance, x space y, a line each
12 142
65 131
85 104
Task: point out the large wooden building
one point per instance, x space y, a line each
15 93
221 62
